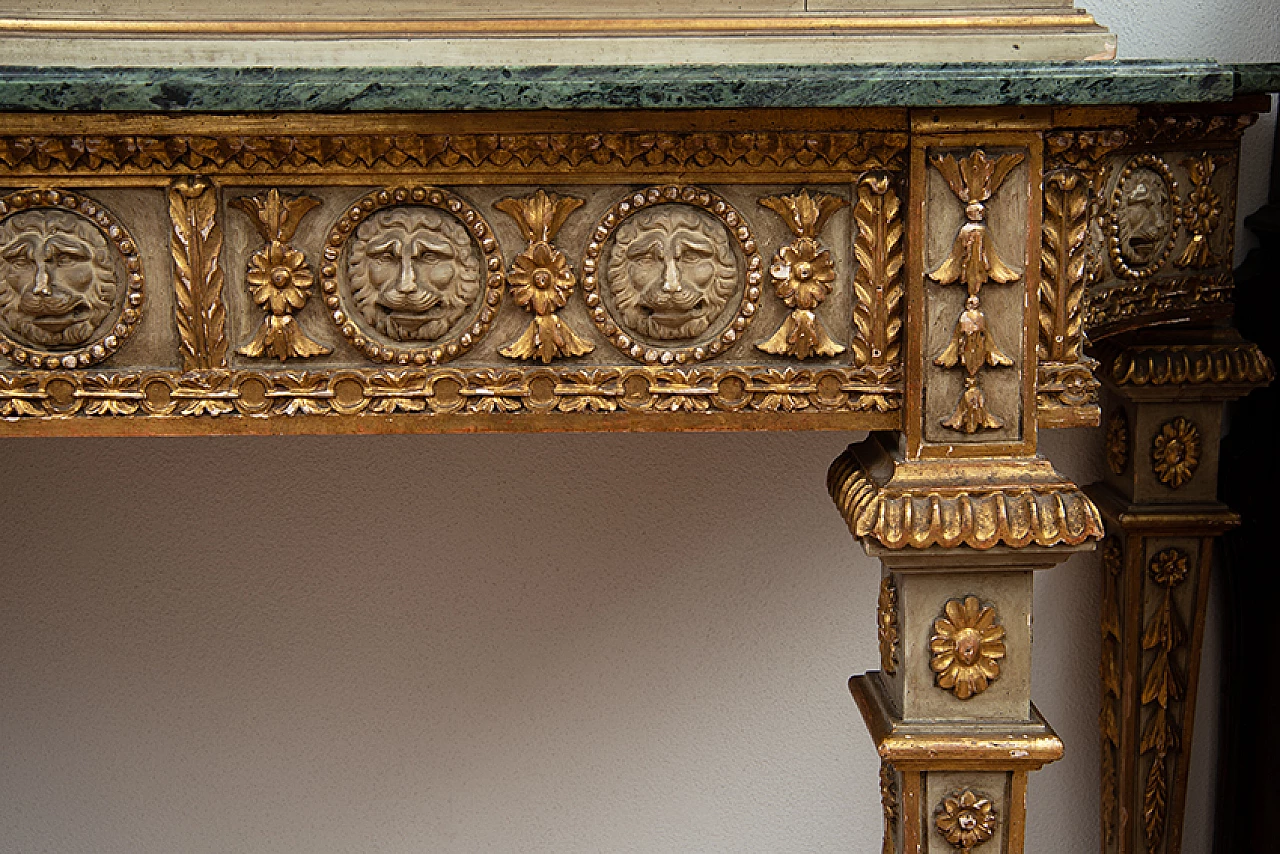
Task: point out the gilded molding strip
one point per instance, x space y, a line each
802 274
889 804
196 245
445 391
1063 262
459 153
1130 305
877 284
887 631
1109 715
1181 129
279 278
1162 685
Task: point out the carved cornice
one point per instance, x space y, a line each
1239 363
980 503
1086 150
1128 305
1182 129
460 153
1067 394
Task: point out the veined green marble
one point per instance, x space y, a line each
1257 78
619 87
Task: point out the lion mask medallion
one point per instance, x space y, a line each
671 272
57 278
413 273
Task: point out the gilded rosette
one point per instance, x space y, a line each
803 275
967 645
279 278
541 278
966 820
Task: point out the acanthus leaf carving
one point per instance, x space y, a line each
1063 260
877 284
196 246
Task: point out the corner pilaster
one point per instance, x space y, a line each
1164 398
959 509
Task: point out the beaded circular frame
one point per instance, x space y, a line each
127 309
1118 260
672 195
355 330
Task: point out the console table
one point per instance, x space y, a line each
952 256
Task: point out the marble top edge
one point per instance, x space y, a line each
1257 78
360 89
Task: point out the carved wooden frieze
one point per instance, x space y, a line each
1165 221
469 305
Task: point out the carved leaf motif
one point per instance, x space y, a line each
877 316
1154 799
196 245
1063 259
804 214
276 216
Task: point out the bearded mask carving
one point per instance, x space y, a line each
413 273
671 272
57 278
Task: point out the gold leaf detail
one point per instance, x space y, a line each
196 246
887 625
967 645
1175 452
877 311
803 275
1063 257
966 820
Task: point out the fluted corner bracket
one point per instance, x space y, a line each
980 503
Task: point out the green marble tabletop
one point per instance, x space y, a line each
626 87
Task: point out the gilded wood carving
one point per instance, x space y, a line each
73 288
967 645
966 820
803 276
974 262
541 278
196 244
279 277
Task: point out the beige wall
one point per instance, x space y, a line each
489 644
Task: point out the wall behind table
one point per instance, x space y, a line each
493 644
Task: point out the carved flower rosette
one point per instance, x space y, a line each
966 820
672 275
1175 452
966 646
71 283
412 275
